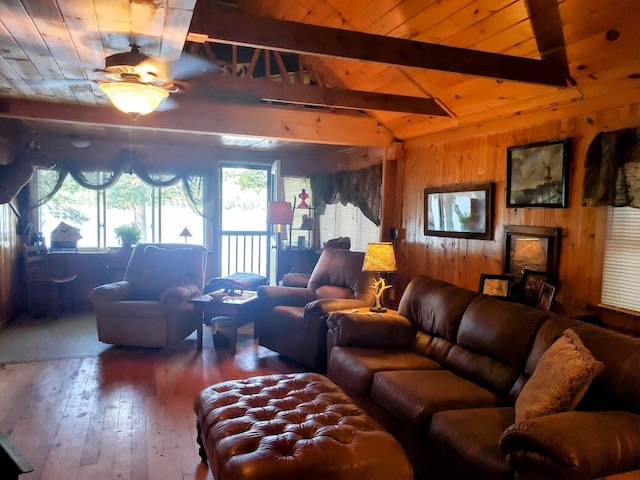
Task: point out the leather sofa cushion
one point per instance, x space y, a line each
467 441
435 306
353 368
413 396
493 341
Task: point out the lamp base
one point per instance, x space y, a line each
377 309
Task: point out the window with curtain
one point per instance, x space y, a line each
161 212
620 278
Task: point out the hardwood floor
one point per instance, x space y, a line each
125 414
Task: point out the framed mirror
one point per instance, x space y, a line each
464 211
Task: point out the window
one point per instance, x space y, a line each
161 212
348 221
338 220
620 275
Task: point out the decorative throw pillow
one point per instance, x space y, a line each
163 268
561 378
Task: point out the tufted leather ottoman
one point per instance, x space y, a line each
292 426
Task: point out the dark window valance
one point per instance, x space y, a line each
612 169
103 177
361 188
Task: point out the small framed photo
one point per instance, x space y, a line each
495 285
531 284
545 299
538 174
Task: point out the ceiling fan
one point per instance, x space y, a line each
137 83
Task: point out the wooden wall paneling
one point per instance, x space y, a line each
11 301
5 265
477 167
432 159
391 195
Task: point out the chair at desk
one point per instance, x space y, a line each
45 290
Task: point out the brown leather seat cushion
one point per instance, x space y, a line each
415 395
293 426
353 367
467 441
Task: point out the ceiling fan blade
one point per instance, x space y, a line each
167 105
188 66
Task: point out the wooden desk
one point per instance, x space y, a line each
228 308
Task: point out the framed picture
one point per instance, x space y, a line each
545 299
464 211
531 285
495 285
531 248
538 174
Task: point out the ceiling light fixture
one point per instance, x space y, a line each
134 98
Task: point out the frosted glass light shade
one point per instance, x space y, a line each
134 98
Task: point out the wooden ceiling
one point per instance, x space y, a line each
357 71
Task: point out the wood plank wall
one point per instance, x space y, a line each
9 261
469 156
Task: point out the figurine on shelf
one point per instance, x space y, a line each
307 223
303 199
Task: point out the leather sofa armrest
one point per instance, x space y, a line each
372 330
112 292
325 306
271 296
180 294
573 445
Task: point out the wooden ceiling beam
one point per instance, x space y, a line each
225 86
213 118
224 26
547 30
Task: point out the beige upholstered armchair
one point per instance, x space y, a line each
292 321
150 307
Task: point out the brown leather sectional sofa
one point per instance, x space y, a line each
444 374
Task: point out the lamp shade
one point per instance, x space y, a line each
279 213
379 257
185 232
134 98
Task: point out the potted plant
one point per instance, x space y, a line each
129 234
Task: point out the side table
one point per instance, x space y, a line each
227 307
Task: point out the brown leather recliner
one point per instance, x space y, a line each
293 323
150 308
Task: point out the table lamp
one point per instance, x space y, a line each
379 258
279 214
185 233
